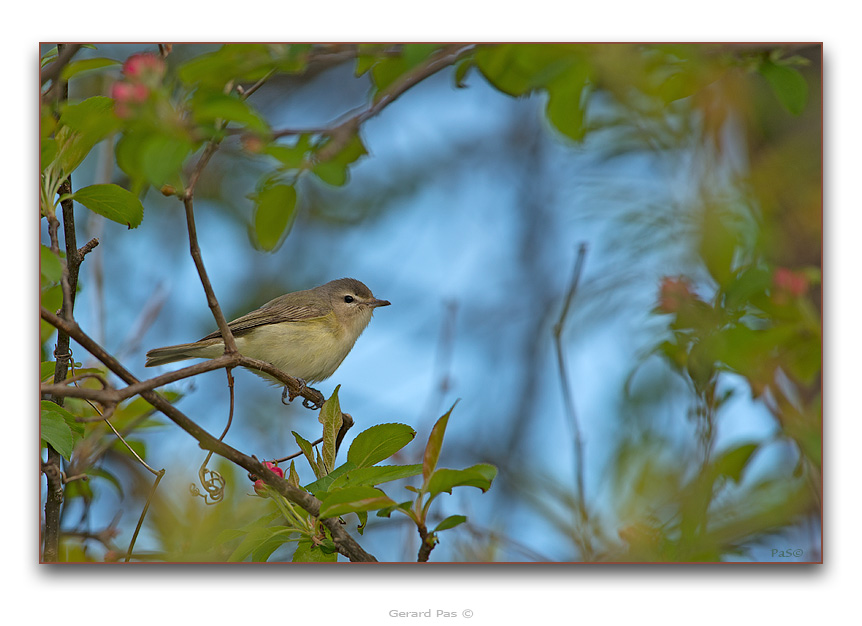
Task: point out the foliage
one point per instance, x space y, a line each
747 311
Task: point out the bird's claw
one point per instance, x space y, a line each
287 396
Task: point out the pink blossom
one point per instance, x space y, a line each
259 485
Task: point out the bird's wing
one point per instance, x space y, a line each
283 309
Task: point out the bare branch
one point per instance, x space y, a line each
567 394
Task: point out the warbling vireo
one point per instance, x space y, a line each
305 334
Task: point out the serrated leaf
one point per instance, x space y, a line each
307 450
330 417
450 522
434 445
58 428
320 486
275 212
379 442
56 433
113 202
353 500
479 476
293 476
365 476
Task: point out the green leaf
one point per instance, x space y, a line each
57 433
367 476
307 552
565 108
58 428
788 85
82 126
47 151
292 157
292 476
219 106
333 168
330 417
450 522
379 442
480 476
364 62
517 69
434 445
734 461
461 70
416 53
162 158
320 486
49 265
270 537
748 283
275 212
307 450
718 243
331 172
113 202
86 65
231 62
151 157
353 500
403 506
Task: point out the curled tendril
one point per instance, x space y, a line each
213 483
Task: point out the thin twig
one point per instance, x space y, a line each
567 395
156 482
348 123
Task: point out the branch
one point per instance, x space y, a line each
346 544
69 281
444 58
567 392
64 55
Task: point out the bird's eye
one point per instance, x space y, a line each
348 298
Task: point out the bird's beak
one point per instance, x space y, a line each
376 303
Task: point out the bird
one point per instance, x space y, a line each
306 334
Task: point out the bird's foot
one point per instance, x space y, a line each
287 395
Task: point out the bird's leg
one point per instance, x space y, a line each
288 395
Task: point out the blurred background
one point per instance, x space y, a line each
467 214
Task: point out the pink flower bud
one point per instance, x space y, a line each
259 485
144 67
675 292
789 282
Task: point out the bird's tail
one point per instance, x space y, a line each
183 351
